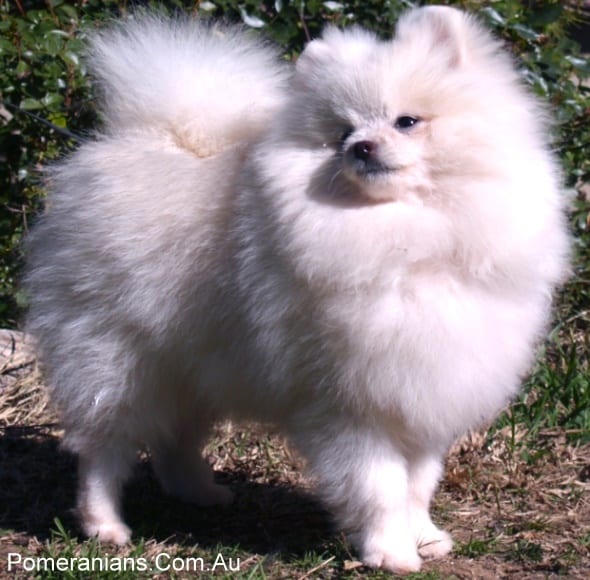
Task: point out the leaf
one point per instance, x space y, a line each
52 43
207 6
6 47
334 6
30 104
525 32
52 100
59 120
580 64
537 81
249 20
546 15
21 68
61 33
493 16
70 57
69 12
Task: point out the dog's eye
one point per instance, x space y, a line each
406 122
346 134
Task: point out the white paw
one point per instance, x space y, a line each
109 533
393 561
436 544
391 554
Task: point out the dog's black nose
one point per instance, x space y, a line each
364 150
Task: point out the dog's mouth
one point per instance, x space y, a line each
362 161
374 173
373 176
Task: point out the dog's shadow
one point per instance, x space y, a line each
38 485
37 480
264 518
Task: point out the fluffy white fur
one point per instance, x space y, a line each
239 243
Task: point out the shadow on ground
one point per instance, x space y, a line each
38 482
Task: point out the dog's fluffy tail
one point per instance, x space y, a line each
208 86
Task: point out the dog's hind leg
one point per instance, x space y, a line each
181 468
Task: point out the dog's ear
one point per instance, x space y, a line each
316 53
332 50
446 30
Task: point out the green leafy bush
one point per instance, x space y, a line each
44 104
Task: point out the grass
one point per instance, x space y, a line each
475 547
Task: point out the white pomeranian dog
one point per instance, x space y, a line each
361 250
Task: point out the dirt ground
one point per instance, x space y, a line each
515 511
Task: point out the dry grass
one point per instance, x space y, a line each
516 510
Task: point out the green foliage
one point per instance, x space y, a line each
558 393
475 548
44 101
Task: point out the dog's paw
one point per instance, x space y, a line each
389 554
109 533
393 561
436 544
